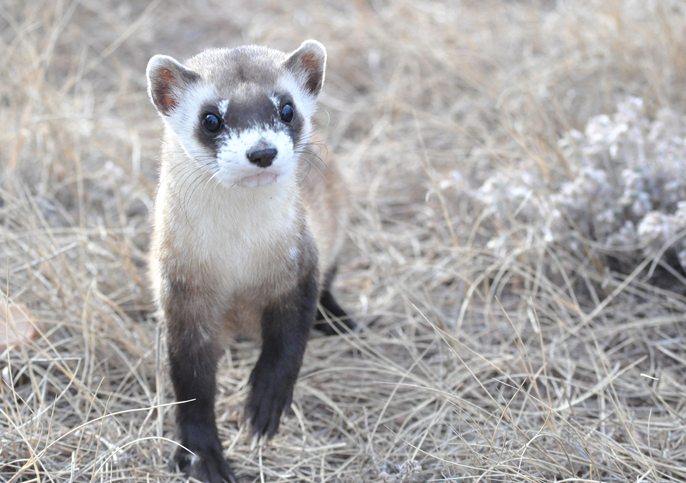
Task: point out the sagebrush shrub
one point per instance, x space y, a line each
624 190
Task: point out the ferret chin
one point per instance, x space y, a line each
245 241
259 179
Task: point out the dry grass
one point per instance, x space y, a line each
530 364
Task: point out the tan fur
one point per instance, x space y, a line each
326 199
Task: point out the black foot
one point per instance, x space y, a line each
271 394
206 466
339 321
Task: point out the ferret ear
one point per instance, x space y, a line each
167 79
308 64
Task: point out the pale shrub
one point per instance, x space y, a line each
624 191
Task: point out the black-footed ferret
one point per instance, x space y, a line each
245 241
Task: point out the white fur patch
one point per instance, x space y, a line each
230 232
184 118
304 102
235 169
223 105
275 101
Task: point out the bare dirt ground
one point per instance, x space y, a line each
486 352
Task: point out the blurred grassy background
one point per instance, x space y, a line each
473 364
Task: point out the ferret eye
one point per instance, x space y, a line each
287 113
211 122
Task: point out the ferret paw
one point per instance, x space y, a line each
205 466
269 398
337 321
333 326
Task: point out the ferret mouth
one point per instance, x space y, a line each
259 179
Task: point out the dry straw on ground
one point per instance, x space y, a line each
490 350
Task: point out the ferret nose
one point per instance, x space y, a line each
262 157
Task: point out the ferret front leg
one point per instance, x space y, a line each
285 326
193 360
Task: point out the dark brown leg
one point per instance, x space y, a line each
193 358
285 327
340 320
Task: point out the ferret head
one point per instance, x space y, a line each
241 114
